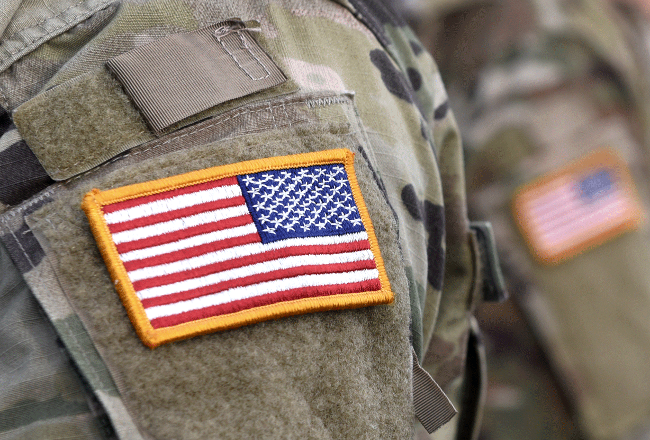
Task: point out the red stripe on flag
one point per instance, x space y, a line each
271 298
291 272
169 194
169 237
248 260
176 214
193 251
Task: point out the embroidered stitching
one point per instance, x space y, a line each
186 260
286 114
275 124
28 43
248 49
324 102
18 209
31 263
335 209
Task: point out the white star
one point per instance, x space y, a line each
285 194
273 205
291 186
329 197
301 192
344 216
355 221
249 180
269 230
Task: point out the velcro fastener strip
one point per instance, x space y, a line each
80 124
88 120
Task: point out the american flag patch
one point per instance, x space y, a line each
578 207
237 244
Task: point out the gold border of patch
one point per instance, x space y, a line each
94 201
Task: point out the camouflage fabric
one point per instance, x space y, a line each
537 85
357 76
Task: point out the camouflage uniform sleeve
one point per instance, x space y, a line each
357 78
441 305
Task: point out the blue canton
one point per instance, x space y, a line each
301 202
596 184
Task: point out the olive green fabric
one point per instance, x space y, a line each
230 377
95 104
350 63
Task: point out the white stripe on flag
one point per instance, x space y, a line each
548 195
239 293
579 213
584 224
173 203
186 243
543 212
571 208
256 269
178 224
240 251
